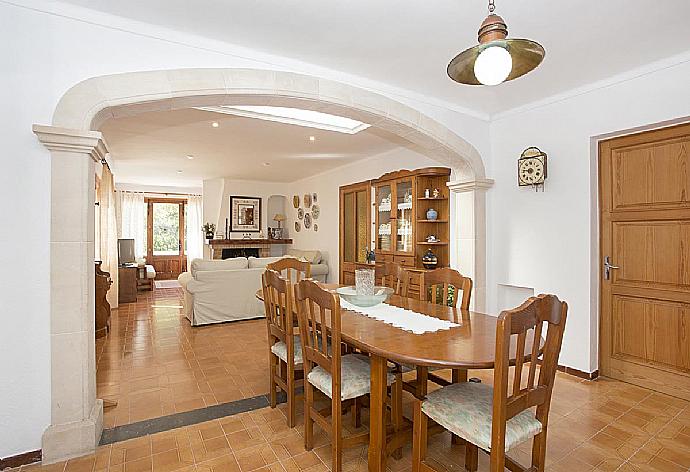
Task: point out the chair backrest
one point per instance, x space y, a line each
524 393
277 299
393 275
444 285
292 269
318 312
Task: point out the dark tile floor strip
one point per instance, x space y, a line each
178 420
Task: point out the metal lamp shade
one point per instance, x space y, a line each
526 55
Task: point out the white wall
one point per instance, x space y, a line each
48 47
327 187
546 240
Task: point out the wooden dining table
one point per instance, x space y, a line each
471 345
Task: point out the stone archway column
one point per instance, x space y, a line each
76 415
468 238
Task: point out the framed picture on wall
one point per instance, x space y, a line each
245 214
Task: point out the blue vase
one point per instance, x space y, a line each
431 214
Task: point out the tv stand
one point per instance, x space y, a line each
127 283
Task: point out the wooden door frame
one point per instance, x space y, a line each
602 244
149 228
359 186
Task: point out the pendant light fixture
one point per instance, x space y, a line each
495 59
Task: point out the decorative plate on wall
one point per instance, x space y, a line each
314 198
295 201
315 211
298 226
300 213
307 200
316 227
307 220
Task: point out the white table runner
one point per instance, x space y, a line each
402 318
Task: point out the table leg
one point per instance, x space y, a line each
377 415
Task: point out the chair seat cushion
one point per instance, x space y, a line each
150 272
280 350
465 409
355 378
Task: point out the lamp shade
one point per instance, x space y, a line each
279 217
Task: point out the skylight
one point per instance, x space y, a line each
293 116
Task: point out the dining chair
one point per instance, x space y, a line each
499 418
292 269
342 378
285 350
394 276
441 286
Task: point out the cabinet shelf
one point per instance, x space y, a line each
432 198
437 243
432 221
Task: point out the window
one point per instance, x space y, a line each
166 229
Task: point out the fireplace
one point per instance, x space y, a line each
225 248
229 252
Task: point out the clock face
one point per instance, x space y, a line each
531 171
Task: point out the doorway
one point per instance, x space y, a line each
644 182
165 235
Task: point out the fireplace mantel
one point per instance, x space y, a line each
263 245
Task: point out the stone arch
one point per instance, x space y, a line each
75 146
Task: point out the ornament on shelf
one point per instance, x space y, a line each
431 214
429 259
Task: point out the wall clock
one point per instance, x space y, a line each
532 168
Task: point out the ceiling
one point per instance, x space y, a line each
150 148
409 43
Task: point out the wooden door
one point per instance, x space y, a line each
355 228
645 232
166 237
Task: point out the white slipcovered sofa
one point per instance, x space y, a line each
216 291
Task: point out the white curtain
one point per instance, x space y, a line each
195 237
108 232
132 220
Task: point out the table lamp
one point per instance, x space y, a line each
279 218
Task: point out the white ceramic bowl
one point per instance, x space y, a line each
349 294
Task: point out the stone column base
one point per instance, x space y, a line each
64 441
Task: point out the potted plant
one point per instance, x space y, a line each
209 229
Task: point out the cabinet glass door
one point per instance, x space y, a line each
384 220
404 225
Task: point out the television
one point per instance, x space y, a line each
125 251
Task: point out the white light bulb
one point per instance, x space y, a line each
493 65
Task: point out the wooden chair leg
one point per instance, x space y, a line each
539 452
290 396
337 435
396 410
356 411
459 375
419 437
422 380
471 457
308 420
272 378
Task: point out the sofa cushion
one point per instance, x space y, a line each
260 262
313 257
319 269
201 265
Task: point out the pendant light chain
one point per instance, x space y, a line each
492 7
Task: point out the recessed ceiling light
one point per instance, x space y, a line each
266 164
312 138
190 157
215 124
179 171
293 116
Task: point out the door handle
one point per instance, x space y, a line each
608 267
